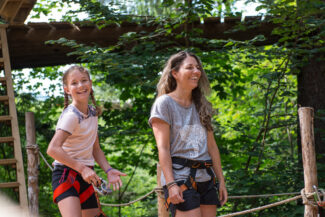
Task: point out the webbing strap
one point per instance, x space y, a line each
194 165
191 163
86 194
69 182
183 187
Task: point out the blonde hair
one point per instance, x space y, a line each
167 84
65 80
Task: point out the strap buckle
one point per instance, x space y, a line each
207 164
196 165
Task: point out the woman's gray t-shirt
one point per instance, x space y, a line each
188 138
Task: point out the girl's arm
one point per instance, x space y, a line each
113 175
215 155
161 132
55 151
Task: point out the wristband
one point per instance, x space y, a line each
109 169
170 184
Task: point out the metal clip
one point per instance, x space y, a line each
317 198
103 189
320 203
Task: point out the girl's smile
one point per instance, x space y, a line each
78 87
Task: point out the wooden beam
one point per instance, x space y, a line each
10 9
6 139
5 118
16 11
9 185
30 39
2 6
8 161
4 98
23 11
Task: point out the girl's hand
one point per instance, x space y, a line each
175 194
90 176
114 179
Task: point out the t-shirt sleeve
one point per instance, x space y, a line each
160 110
68 121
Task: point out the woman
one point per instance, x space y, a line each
188 154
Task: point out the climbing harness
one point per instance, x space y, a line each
103 189
190 181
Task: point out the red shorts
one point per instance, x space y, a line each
66 182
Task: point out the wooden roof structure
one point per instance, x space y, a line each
15 11
28 49
27 41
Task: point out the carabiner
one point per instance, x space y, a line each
103 189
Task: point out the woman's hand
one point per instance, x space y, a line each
175 194
223 194
114 179
90 176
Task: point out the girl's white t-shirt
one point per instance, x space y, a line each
83 129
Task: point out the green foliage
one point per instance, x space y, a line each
254 94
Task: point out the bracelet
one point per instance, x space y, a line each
170 184
109 169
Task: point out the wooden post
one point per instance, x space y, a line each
33 160
306 119
162 212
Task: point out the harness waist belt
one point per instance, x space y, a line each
191 163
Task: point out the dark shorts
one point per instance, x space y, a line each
66 182
206 194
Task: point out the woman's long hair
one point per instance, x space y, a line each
167 84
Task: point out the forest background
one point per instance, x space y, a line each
254 94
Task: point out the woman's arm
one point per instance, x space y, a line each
113 176
56 151
215 156
161 131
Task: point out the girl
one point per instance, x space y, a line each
188 154
75 147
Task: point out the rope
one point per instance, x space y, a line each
131 202
262 195
47 163
262 207
34 146
305 198
302 195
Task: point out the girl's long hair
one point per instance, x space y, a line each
65 83
167 84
